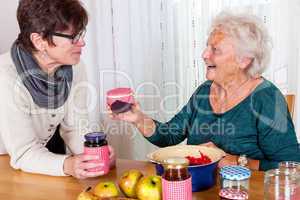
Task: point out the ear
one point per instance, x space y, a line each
245 62
38 42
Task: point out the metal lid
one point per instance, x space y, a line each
95 136
235 173
176 163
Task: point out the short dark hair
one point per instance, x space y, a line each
47 16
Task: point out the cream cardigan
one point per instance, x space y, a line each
25 128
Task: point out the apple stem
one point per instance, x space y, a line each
88 189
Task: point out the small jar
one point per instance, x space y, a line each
96 144
284 182
176 179
120 100
234 183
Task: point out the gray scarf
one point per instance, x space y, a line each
48 92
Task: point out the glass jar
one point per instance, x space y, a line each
96 144
176 179
283 183
289 165
234 183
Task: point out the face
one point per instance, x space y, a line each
220 58
65 52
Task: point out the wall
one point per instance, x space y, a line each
8 21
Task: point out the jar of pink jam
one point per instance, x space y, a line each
96 144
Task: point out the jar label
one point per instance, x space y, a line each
177 190
103 153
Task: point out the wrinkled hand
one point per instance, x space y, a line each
209 144
78 165
133 116
228 160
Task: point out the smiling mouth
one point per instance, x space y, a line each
211 66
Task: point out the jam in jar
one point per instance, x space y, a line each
176 180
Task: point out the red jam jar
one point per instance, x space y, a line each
176 180
96 144
120 99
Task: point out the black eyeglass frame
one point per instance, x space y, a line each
73 38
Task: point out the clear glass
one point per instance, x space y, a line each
283 183
240 185
234 187
289 166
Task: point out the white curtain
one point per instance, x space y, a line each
155 46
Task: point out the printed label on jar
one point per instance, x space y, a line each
103 154
177 190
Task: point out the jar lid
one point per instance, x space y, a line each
176 163
235 194
235 173
95 136
119 92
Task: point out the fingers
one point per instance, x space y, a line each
85 158
112 157
111 152
209 144
83 174
136 106
90 165
87 174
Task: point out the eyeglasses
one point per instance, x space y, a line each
73 38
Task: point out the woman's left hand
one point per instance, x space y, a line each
228 160
112 157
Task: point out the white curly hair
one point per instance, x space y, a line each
250 36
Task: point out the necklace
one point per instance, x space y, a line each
222 106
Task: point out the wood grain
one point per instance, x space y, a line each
18 185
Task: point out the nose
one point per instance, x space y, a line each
81 42
206 54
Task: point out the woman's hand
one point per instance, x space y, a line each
112 157
135 116
209 144
228 160
78 165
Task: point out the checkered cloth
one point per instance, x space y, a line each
177 190
103 153
234 194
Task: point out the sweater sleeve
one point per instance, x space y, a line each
276 134
19 135
76 122
177 129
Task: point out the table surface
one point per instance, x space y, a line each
18 185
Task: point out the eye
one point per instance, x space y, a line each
216 50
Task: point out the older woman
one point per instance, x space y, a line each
236 109
42 84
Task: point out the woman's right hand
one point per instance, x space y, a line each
77 166
135 116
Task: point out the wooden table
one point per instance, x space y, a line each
17 185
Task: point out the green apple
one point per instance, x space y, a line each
86 195
128 182
149 188
106 190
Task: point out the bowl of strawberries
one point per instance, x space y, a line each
203 162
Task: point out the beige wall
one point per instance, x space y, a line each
8 22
